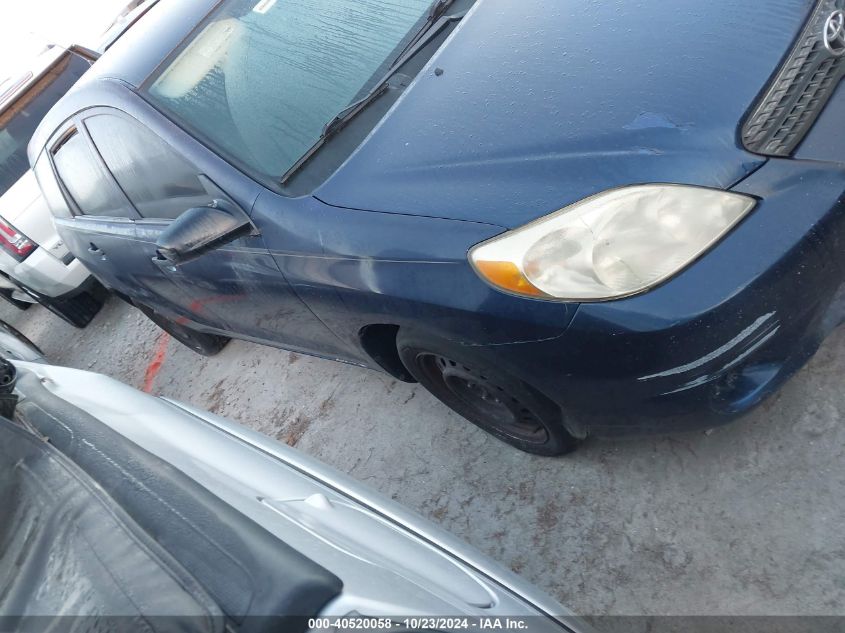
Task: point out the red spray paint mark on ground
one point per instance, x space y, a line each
155 364
161 348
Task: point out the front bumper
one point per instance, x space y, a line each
717 339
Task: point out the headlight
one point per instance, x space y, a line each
614 244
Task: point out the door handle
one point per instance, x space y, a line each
161 262
95 250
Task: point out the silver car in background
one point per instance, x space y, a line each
258 531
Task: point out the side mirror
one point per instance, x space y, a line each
199 229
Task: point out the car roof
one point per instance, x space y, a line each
130 60
134 56
153 48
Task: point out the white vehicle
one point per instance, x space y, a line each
35 266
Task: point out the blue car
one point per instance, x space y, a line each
562 218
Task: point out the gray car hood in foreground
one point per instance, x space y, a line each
543 103
391 561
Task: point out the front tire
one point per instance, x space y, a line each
200 342
471 385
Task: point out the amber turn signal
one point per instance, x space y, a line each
507 276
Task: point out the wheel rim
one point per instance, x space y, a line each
484 401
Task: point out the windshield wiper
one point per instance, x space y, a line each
434 23
339 121
437 9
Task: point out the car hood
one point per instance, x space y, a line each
541 103
275 486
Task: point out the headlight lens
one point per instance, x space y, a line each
614 244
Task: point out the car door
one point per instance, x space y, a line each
235 286
159 186
95 219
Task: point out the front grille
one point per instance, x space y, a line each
801 88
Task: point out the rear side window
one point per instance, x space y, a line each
85 182
50 188
158 181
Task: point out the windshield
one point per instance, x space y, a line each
260 80
19 120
